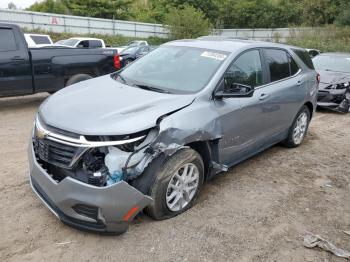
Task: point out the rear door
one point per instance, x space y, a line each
281 98
15 67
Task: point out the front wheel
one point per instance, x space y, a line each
298 129
176 185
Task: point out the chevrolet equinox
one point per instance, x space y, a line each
148 136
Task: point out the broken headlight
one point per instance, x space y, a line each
338 86
110 164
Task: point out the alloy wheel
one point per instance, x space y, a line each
300 128
182 187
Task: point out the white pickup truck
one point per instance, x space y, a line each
82 42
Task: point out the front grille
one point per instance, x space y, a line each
54 153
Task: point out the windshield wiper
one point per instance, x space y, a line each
151 88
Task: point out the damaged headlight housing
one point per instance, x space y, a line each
116 162
338 86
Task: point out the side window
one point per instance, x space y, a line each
7 40
245 71
95 44
305 57
40 39
84 44
293 66
278 63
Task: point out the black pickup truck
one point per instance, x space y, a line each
25 71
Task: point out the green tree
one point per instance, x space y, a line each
109 9
319 12
248 14
344 15
287 13
187 22
209 7
49 6
152 12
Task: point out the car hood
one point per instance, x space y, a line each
104 106
330 78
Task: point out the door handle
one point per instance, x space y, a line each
299 83
17 58
263 96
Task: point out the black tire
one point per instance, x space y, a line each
161 178
290 141
78 78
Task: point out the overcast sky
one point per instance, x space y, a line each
19 3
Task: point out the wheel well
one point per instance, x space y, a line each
203 149
310 107
79 72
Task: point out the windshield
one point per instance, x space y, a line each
69 42
132 44
174 69
332 63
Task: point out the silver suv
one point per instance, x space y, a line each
148 136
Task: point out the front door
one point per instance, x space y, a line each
241 118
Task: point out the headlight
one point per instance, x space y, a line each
130 147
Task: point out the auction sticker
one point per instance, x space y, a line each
214 55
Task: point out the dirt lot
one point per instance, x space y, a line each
258 211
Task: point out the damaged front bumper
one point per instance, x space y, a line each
334 99
99 209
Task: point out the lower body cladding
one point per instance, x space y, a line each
78 204
334 99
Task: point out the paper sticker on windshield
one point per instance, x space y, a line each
213 55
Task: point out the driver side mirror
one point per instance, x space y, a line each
234 90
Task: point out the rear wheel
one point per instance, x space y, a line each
78 78
299 128
176 185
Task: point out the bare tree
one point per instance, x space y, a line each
12 6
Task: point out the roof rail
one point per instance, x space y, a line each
218 37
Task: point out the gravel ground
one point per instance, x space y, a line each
257 211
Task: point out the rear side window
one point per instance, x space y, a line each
84 44
40 40
305 57
293 66
7 40
278 63
95 44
